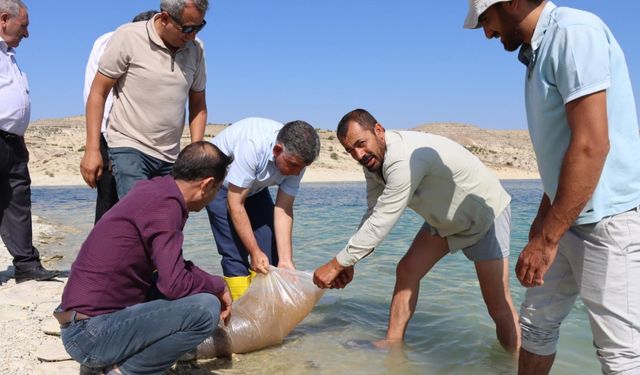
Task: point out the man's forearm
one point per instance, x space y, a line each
197 124
243 228
283 226
579 176
95 112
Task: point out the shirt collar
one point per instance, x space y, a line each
153 33
526 55
5 47
155 38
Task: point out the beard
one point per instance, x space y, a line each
511 35
378 159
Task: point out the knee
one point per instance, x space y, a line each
208 310
539 339
404 273
501 311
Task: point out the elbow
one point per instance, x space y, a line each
599 150
595 149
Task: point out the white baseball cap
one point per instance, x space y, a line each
476 8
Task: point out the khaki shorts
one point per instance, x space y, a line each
494 244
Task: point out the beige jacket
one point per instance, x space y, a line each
457 195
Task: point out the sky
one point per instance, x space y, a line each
408 62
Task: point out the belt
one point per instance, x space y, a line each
7 135
65 318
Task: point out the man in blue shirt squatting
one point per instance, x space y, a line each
244 220
585 239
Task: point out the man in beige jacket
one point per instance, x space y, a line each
463 205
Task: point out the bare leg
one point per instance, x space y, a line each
494 284
425 251
533 364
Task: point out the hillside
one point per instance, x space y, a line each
56 147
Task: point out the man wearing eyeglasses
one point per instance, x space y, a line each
154 68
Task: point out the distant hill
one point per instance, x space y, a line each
496 148
56 147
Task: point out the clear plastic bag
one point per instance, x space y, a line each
271 308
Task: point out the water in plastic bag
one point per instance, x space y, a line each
271 308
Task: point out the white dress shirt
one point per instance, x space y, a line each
250 142
90 73
15 105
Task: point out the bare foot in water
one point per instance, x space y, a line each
388 344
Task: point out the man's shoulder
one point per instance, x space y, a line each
155 192
258 122
255 129
102 39
131 30
566 18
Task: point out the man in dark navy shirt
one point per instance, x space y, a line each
106 317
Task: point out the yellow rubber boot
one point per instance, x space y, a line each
238 285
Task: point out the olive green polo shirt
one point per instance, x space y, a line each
152 88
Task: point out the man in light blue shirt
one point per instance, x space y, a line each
585 239
244 220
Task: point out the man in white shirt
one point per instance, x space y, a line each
106 185
15 182
244 220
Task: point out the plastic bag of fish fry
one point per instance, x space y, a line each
272 307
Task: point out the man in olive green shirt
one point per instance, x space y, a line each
462 202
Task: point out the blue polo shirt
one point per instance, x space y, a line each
250 142
573 54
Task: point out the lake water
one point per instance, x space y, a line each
450 333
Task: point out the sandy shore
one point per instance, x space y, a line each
30 335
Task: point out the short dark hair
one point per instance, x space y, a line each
300 140
359 115
145 16
200 160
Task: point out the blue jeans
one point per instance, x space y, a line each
235 257
146 338
130 166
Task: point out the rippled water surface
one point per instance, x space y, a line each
450 332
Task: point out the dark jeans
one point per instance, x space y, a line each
146 338
15 203
130 166
107 193
235 257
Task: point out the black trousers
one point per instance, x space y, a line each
15 202
107 194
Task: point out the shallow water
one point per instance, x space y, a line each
450 333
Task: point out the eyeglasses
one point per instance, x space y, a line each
187 29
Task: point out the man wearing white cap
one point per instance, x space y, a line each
585 239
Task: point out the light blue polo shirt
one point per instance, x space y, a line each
250 141
574 55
